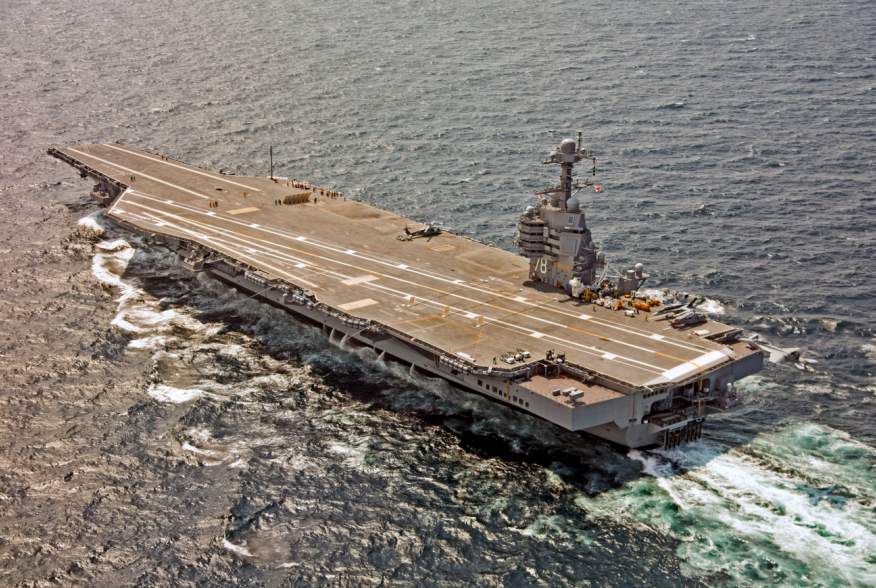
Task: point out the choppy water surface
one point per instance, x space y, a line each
736 146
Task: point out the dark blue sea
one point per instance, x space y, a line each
161 429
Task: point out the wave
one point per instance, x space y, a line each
91 226
164 393
793 507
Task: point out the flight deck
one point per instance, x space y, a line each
468 300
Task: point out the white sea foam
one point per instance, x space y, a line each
213 452
769 495
186 446
151 342
238 549
168 394
200 434
109 266
138 313
141 317
829 324
353 456
759 503
116 245
556 527
90 226
711 306
651 465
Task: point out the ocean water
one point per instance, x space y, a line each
736 145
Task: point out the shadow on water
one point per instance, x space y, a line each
481 426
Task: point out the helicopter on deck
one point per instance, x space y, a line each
428 231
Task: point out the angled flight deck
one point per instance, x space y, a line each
451 292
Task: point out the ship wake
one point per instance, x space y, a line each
792 507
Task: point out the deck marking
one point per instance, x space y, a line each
212 176
585 317
118 201
536 334
703 361
243 210
629 330
657 337
471 315
478 302
709 358
589 350
358 304
141 174
301 265
626 362
609 356
295 279
359 280
520 299
443 248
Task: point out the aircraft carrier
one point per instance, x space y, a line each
550 331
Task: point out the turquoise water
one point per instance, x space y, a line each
794 507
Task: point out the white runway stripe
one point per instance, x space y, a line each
141 174
246 240
249 239
212 176
394 264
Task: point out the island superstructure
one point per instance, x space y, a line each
549 332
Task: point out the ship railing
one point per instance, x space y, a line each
589 376
85 170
